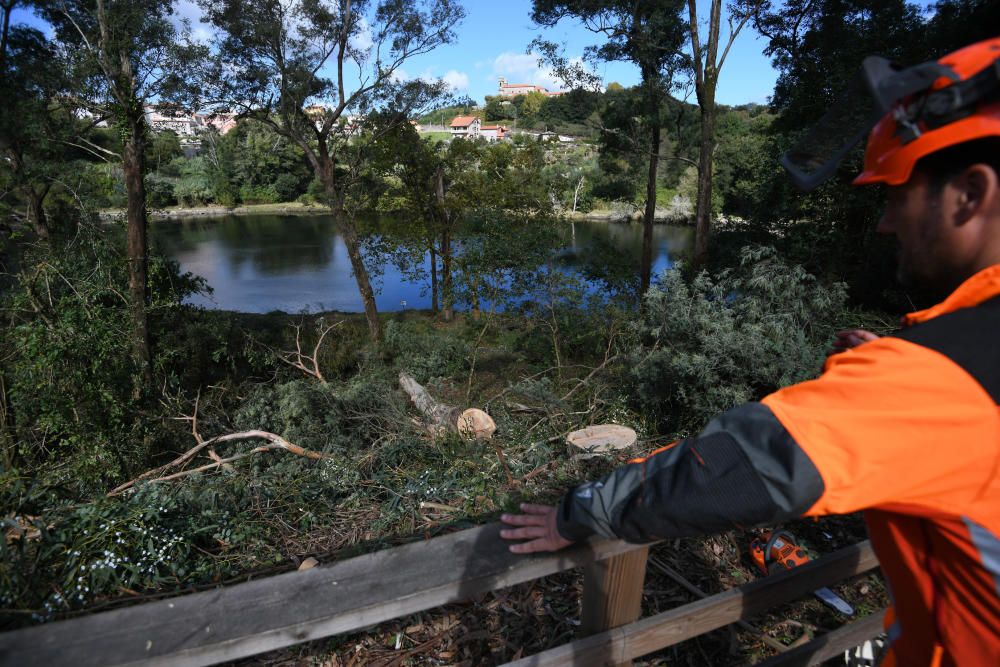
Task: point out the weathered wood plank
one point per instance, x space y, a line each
612 592
829 645
245 619
690 620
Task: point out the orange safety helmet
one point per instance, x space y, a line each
902 136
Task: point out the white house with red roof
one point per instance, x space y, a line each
465 127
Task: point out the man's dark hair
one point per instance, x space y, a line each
942 165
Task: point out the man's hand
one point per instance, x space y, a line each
845 340
539 528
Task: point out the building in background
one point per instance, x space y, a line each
515 89
184 124
465 127
493 132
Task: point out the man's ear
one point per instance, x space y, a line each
976 192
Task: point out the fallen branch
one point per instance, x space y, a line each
440 418
587 379
276 442
298 360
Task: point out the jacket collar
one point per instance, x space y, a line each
980 287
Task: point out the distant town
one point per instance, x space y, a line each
190 127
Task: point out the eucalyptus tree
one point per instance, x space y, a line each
120 55
706 65
314 70
650 34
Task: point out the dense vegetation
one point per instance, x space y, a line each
83 410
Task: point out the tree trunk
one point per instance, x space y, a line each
646 268
133 168
8 448
434 279
345 227
350 236
447 301
703 227
36 211
447 297
8 7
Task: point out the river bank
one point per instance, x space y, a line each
670 215
285 208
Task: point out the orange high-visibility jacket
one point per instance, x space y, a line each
906 427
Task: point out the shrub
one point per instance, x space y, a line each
424 354
194 190
715 342
160 191
287 187
259 194
68 368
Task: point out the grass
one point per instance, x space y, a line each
436 136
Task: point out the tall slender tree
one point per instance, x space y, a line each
706 64
314 69
121 54
650 34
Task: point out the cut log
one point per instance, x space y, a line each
472 423
438 415
600 439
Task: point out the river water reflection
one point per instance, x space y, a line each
261 263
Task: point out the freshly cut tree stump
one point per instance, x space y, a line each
472 423
600 439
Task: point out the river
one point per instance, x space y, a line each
298 263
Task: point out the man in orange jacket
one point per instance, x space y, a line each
905 427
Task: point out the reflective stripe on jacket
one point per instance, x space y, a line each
906 427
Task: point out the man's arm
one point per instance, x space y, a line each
742 470
892 424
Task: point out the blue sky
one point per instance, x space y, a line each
493 40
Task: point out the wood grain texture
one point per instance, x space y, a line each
671 627
245 619
600 439
612 592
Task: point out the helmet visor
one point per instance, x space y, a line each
858 107
872 92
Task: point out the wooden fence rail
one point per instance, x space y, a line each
250 618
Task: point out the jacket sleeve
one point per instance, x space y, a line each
890 424
743 469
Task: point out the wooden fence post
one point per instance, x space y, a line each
612 594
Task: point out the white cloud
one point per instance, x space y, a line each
363 41
456 80
188 9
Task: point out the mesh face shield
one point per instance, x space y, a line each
874 91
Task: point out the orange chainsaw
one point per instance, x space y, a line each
779 550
